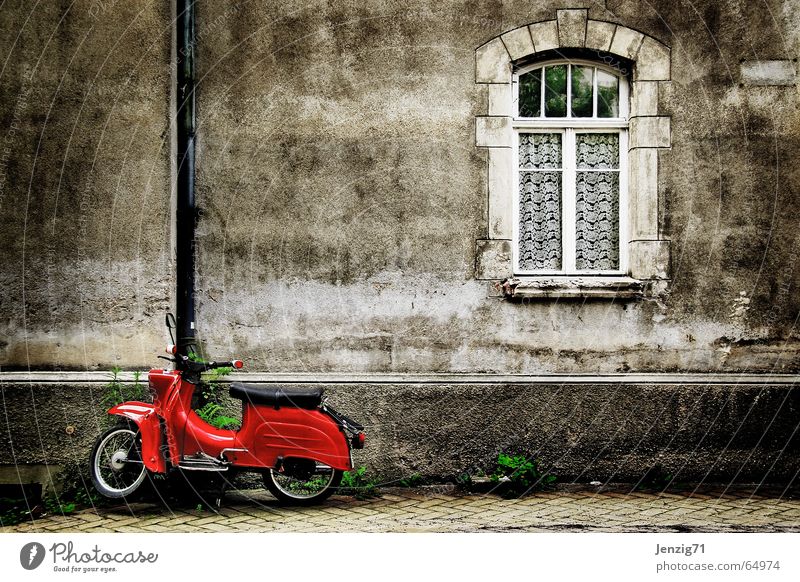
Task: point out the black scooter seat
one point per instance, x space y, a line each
308 398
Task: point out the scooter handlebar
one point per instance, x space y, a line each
184 363
232 364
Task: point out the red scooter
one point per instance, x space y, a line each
300 444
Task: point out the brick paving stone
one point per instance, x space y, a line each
386 496
432 511
234 520
178 520
214 527
254 520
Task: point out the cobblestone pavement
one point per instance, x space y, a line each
426 510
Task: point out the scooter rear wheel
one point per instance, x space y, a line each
302 482
116 463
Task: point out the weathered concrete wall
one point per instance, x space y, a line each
84 183
584 432
343 194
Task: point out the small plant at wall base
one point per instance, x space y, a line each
17 510
214 415
655 478
413 480
210 404
26 503
517 475
210 387
358 484
13 510
464 481
117 392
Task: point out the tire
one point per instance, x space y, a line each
295 490
112 475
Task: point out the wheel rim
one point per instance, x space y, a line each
304 488
117 463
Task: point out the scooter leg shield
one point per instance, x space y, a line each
145 417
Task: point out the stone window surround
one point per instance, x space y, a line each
649 132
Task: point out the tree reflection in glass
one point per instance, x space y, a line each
530 94
607 95
581 91
555 91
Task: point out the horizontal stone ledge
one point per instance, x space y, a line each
768 73
576 293
701 378
565 287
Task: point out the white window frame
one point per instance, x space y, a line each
569 127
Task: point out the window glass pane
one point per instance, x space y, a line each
555 91
540 220
595 151
530 94
607 95
582 91
597 201
597 221
540 201
540 150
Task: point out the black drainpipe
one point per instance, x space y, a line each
186 215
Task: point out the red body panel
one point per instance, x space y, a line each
267 434
293 432
145 417
165 385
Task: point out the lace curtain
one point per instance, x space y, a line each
540 201
597 202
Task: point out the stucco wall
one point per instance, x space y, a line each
616 432
84 183
342 194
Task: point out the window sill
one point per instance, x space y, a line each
573 287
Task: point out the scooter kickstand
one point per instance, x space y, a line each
221 493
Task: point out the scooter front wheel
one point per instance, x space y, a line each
302 482
116 464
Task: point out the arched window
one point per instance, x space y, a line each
570 147
574 131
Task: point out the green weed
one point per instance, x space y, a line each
414 480
519 475
358 484
117 392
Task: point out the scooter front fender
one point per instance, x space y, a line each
145 417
